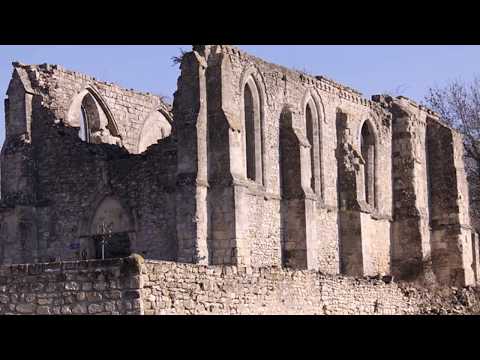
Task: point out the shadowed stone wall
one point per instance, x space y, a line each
54 183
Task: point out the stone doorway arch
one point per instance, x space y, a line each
110 231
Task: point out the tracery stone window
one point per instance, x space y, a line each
91 115
253 131
367 144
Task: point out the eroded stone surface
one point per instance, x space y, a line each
254 165
160 288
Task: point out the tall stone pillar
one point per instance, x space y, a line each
228 196
451 232
349 182
300 245
410 229
18 232
17 155
190 112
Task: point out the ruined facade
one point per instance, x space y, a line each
254 165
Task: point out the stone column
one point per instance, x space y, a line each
190 113
228 196
300 245
451 232
350 187
410 229
17 162
17 155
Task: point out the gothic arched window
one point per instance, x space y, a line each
155 128
313 136
83 132
89 112
253 132
367 143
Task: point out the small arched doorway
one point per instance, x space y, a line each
110 231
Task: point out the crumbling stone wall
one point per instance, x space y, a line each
451 237
254 165
185 289
132 286
109 287
50 214
170 288
62 88
432 236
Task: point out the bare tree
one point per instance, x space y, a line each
177 60
459 105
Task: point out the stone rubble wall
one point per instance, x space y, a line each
185 289
109 287
129 108
62 180
133 286
189 198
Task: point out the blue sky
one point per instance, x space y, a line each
410 70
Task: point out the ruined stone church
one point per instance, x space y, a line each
252 165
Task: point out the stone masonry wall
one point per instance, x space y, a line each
170 288
261 166
254 210
132 286
411 226
130 109
64 180
109 287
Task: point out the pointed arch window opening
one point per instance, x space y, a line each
310 137
84 128
94 119
312 127
250 133
253 132
155 128
367 144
